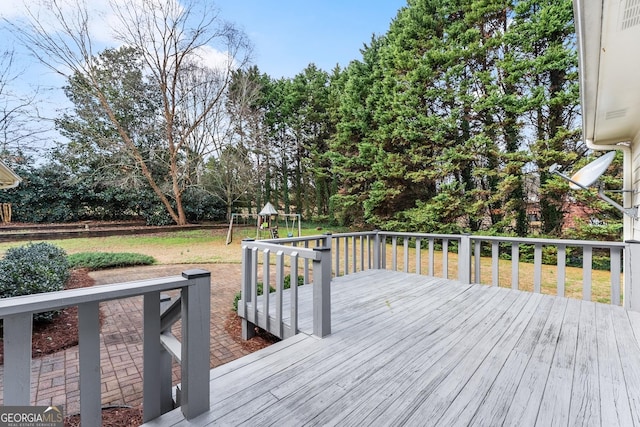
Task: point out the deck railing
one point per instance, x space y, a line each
158 345
612 253
489 260
254 305
465 257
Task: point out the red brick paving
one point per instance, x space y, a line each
55 377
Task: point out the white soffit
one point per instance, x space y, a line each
8 179
609 47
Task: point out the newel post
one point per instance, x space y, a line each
464 259
248 328
17 359
196 341
322 292
632 275
376 249
328 238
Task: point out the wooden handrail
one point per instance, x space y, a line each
195 288
255 309
358 251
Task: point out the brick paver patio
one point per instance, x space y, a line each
55 377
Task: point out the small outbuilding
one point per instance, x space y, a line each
8 179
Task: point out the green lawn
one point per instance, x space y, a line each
180 247
209 246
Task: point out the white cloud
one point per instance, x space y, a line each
18 11
213 58
104 23
11 8
101 16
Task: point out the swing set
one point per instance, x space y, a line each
267 224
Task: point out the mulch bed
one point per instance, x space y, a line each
112 417
262 339
62 332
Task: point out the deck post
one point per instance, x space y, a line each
632 275
322 292
464 259
196 341
17 354
248 328
89 364
376 250
328 243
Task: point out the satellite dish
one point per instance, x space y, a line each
590 173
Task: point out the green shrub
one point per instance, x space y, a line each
287 281
103 260
32 269
236 300
260 289
49 193
287 285
158 216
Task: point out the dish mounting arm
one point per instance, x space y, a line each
632 212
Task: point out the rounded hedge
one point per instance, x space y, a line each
32 269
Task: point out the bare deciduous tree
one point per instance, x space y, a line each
20 125
175 39
235 171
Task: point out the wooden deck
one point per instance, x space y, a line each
415 350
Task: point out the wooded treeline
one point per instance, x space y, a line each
466 105
449 122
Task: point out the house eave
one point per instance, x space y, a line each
609 57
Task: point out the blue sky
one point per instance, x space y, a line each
290 34
287 36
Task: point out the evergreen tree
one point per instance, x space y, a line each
545 63
94 151
312 129
448 113
412 126
352 149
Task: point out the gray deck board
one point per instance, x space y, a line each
614 404
427 374
629 359
467 396
527 398
556 401
414 350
